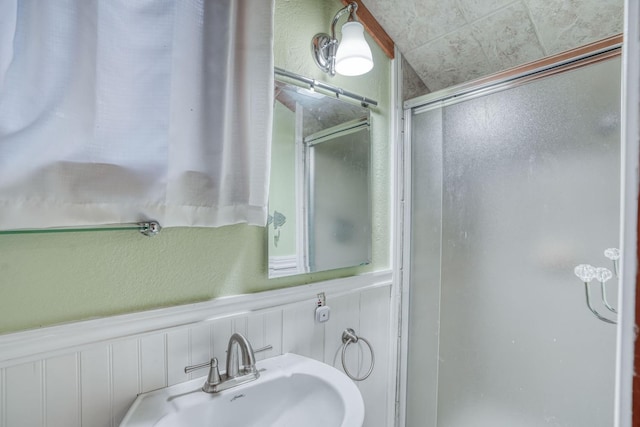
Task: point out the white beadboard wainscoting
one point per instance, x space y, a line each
88 373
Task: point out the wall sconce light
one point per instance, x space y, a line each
350 57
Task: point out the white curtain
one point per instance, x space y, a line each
117 111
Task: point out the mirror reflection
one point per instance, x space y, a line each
319 199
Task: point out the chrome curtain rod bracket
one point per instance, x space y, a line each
150 228
313 84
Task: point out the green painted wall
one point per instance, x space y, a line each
48 279
282 185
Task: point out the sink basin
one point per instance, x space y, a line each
292 391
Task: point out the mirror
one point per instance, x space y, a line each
319 199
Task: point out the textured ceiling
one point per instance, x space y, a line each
448 42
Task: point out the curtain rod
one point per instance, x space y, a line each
315 83
149 229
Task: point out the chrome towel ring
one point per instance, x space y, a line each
349 336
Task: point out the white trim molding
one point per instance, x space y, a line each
284 265
33 343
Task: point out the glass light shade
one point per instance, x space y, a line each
354 54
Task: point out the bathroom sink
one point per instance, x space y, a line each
292 391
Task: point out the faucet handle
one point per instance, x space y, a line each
265 348
214 377
213 380
210 364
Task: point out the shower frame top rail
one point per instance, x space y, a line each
575 58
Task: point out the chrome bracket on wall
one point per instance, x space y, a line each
150 228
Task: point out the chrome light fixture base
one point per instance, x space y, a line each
323 52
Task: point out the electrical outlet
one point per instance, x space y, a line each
322 300
323 313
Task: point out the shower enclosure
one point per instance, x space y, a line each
512 185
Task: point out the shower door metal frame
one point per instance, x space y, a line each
575 58
628 355
586 55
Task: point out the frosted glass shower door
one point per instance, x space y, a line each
339 198
510 191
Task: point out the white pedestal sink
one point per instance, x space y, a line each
292 391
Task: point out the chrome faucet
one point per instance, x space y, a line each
240 370
248 358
